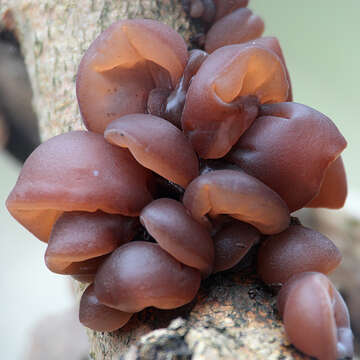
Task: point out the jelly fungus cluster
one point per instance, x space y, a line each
190 159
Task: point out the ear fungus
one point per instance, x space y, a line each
97 316
240 26
141 274
224 95
169 104
80 236
232 243
271 43
277 149
168 222
157 145
315 317
123 65
224 8
333 190
297 249
239 195
77 171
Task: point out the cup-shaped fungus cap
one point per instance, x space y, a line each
333 190
238 27
78 236
224 96
289 148
315 316
297 249
141 274
232 242
168 222
239 195
123 65
272 43
77 171
97 316
157 145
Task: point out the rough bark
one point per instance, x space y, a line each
234 316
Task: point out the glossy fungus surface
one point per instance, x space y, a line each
168 222
224 95
232 242
77 171
226 7
169 104
238 27
239 195
277 149
123 65
157 145
315 317
79 236
97 316
141 274
333 190
295 250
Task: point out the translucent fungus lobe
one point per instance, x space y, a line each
179 234
239 195
77 171
123 65
141 274
223 97
295 250
156 144
315 317
289 148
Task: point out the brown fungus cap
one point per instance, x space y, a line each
123 65
296 250
333 190
225 7
289 148
232 242
157 145
78 236
97 316
315 316
224 95
168 222
238 27
239 195
141 274
77 171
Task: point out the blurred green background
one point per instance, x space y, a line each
320 41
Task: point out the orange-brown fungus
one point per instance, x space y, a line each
278 146
79 236
123 65
232 242
224 96
157 145
97 316
238 27
333 190
297 249
315 317
168 222
77 171
239 195
141 274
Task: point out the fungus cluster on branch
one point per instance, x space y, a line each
190 159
